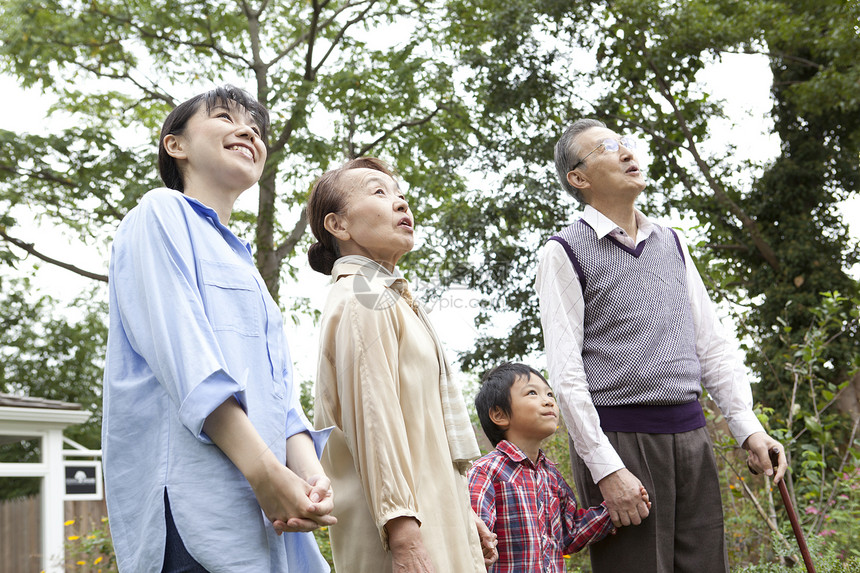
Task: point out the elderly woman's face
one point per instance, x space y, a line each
377 219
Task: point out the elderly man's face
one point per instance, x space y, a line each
606 172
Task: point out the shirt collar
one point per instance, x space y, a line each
369 269
212 215
516 455
603 225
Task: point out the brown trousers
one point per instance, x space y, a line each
684 531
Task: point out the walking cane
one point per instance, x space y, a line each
792 516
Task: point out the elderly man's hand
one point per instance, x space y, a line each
759 446
622 493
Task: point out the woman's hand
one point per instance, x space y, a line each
286 498
408 554
322 500
489 540
281 493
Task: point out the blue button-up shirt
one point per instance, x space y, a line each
192 324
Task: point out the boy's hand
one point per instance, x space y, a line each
644 493
489 540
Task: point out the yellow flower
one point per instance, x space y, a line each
74 537
69 522
98 560
81 562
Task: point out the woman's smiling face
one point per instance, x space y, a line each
377 222
220 147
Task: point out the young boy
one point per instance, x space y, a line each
515 489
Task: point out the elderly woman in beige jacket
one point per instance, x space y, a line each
402 440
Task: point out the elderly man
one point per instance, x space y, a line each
631 337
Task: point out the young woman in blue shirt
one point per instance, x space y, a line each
205 443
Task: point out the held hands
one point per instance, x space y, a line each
624 497
291 503
645 497
285 498
489 541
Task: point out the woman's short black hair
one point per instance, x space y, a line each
495 392
178 119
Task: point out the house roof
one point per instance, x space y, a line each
11 401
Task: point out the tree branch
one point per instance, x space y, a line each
289 244
774 55
342 32
312 31
116 75
764 249
310 70
389 132
158 35
303 37
42 174
28 247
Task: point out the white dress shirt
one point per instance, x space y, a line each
562 310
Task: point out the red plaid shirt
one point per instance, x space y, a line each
532 510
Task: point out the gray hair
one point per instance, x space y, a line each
568 153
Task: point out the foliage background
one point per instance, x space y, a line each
466 98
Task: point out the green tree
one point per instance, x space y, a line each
637 65
118 67
341 78
771 237
46 354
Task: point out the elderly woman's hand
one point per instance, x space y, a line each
489 540
408 554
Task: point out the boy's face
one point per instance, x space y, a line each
534 413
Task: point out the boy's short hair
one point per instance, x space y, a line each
496 392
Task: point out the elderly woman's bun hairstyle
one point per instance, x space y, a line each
328 196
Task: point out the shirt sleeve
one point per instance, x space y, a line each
297 420
580 527
561 313
366 360
482 494
153 284
723 373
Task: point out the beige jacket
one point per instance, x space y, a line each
378 384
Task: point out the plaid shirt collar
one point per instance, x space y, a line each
518 456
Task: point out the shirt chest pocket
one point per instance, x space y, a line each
231 297
517 507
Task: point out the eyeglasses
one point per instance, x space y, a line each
609 145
